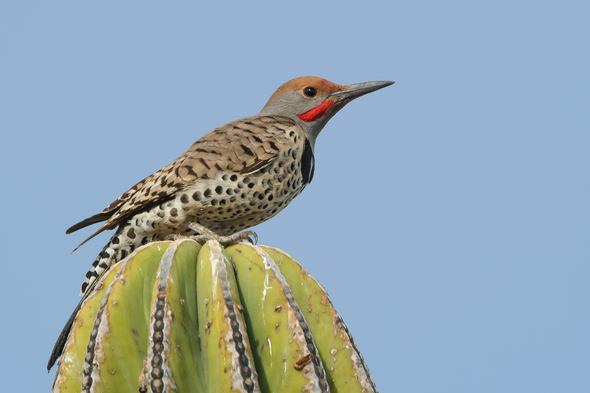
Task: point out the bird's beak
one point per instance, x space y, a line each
359 89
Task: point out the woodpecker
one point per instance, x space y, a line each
236 176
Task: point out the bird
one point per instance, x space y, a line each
235 177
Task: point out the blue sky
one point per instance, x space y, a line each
449 213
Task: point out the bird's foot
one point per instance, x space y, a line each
207 234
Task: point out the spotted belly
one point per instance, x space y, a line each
227 204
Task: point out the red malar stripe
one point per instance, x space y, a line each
317 112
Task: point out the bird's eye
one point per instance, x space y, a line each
310 91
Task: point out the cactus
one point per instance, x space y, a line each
177 316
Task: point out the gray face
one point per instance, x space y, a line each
294 103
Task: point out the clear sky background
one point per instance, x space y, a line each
449 216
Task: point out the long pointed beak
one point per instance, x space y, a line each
359 89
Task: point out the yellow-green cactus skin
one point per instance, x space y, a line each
181 317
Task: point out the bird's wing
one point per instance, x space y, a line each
243 146
154 189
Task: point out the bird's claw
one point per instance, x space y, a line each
245 235
207 234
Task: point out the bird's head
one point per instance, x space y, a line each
312 101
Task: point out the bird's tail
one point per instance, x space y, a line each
107 257
111 253
60 344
